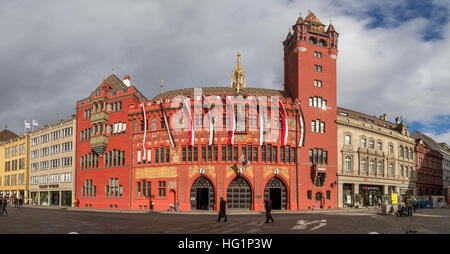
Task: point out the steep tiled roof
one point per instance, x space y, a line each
6 135
431 142
359 116
331 28
312 18
114 82
224 90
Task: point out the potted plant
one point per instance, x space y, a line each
358 200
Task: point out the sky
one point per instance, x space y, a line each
394 56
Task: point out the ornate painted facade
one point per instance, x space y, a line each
150 153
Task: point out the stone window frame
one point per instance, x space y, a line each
390 144
382 167
393 169
350 135
363 169
365 141
372 140
372 169
345 163
379 141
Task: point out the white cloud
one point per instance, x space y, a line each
440 138
67 49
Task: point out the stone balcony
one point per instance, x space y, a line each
99 144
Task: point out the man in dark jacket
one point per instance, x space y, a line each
409 206
223 208
268 206
4 204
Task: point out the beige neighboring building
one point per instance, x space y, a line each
375 158
52 164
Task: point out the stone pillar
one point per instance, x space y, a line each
356 188
340 195
59 200
385 190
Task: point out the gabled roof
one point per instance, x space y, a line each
330 28
6 135
113 82
429 141
312 18
288 36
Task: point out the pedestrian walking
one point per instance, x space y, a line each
409 204
77 202
268 206
222 210
415 205
4 204
20 203
177 206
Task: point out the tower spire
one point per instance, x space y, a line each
238 78
162 85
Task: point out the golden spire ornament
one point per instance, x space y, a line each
238 77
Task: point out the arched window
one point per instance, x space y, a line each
312 40
363 165
379 167
410 172
410 154
371 166
322 43
401 170
391 168
406 153
363 142
379 146
400 151
348 163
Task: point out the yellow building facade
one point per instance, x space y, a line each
14 167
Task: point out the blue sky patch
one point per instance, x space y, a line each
385 16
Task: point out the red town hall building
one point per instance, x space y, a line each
192 146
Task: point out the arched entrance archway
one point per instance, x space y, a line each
202 194
239 194
275 190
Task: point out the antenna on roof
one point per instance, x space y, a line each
162 85
112 70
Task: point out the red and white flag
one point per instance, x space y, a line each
145 127
232 127
172 142
187 107
262 124
285 124
211 118
302 124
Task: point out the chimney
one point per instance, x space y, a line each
126 80
384 116
397 120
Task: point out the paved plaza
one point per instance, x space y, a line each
355 221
